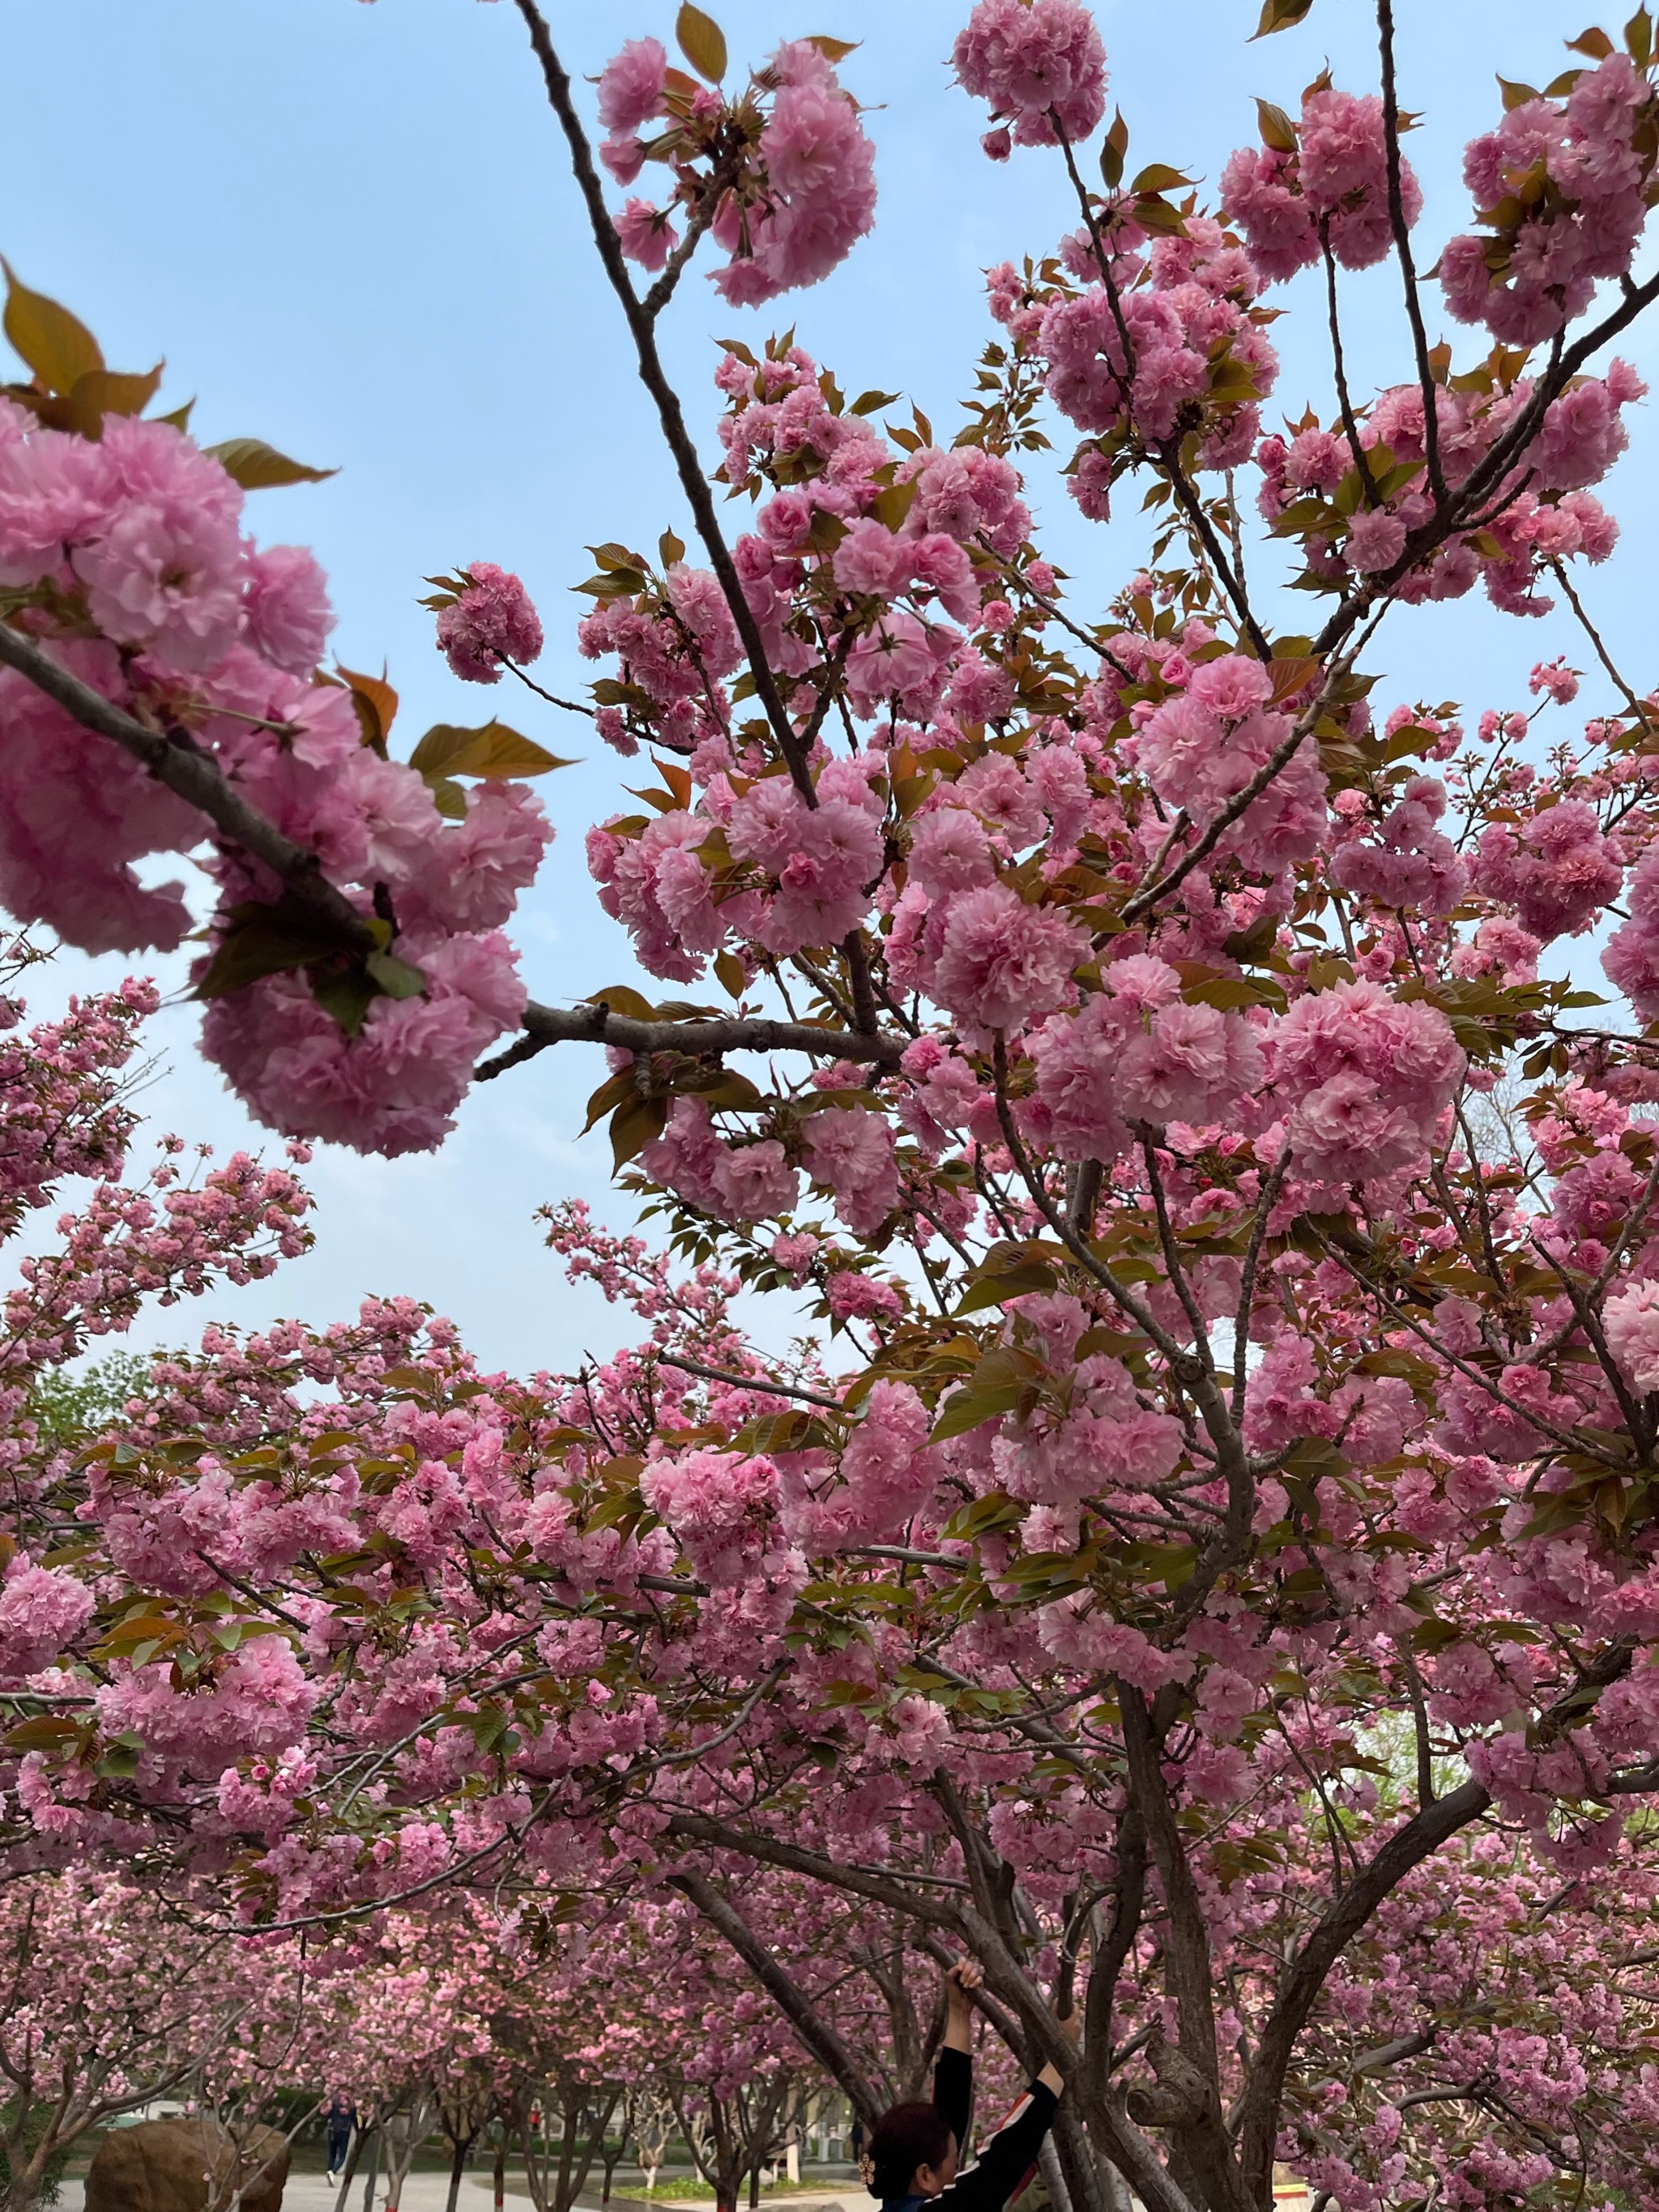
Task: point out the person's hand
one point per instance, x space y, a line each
960 1980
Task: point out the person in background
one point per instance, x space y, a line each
341 2122
914 2152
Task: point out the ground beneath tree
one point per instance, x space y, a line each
428 2192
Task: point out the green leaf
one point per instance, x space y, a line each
1115 146
833 50
1156 177
348 997
996 1509
1278 131
635 1124
259 467
996 1386
998 1280
702 41
55 344
494 751
103 391
623 999
399 979
871 403
1515 95
1279 15
261 941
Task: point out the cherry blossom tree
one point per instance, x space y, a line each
1205 1554
109 2001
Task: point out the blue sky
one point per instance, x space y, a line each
350 229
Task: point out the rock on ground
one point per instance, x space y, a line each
187 2166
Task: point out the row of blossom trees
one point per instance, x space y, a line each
1202 1558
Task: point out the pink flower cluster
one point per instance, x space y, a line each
1136 1053
1203 749
1041 65
1556 867
1332 186
491 623
1563 185
1630 961
137 534
804 196
1412 863
815 196
1545 515
1201 360
735 1182
722 1508
1365 1079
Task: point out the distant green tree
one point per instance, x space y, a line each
70 1405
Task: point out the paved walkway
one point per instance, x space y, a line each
428 2192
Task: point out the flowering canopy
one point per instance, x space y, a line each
1212 1557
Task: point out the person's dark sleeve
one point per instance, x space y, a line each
953 2093
1007 2158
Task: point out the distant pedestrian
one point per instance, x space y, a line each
342 2121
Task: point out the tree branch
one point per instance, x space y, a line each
174 759
670 414
818 2035
597 1025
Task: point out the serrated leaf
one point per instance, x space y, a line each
494 751
1278 131
347 997
623 999
257 466
103 391
702 42
635 1124
399 979
1279 15
46 1732
1156 177
260 941
1290 676
1113 149
57 346
871 403
376 703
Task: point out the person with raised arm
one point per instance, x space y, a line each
915 2150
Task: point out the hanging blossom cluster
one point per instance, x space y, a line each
782 174
123 554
